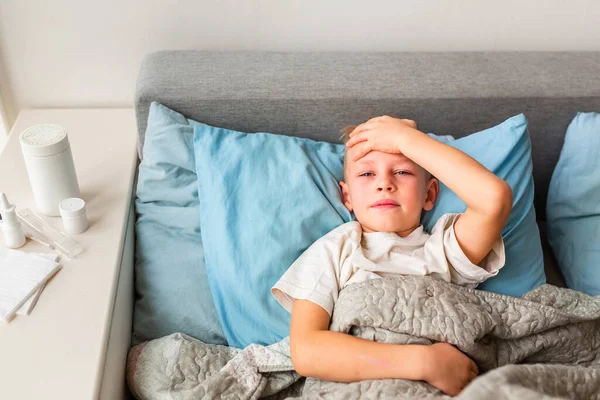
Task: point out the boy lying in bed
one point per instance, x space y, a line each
387 183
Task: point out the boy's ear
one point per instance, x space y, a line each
346 196
433 189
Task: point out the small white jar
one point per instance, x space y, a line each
74 215
50 166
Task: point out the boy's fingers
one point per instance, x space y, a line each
360 128
363 150
473 367
355 140
355 130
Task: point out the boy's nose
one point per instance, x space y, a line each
385 183
387 188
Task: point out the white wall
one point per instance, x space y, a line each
79 53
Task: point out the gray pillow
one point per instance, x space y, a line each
171 285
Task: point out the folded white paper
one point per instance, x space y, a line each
21 275
31 301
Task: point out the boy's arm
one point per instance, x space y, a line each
318 352
488 198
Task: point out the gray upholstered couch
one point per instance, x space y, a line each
315 94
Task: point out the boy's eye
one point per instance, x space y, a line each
397 172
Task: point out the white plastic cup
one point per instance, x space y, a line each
49 161
74 215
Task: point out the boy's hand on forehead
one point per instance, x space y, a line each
379 134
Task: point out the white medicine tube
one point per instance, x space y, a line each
14 235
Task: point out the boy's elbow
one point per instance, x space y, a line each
301 366
300 355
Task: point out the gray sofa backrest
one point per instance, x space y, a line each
314 95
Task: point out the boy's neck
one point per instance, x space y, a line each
402 234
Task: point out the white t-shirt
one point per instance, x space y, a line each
347 255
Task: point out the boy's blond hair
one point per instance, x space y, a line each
346 131
345 137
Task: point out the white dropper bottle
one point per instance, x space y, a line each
14 236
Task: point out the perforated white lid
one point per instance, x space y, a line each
44 140
73 207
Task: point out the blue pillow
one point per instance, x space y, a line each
504 149
264 199
172 291
573 205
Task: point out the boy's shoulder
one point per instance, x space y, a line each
444 222
344 231
348 227
343 239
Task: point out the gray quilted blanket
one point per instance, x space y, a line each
544 345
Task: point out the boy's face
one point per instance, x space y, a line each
393 177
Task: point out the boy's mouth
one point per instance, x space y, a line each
384 203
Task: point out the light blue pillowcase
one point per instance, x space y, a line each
172 290
504 149
573 205
264 199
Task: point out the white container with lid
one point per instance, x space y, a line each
50 166
74 215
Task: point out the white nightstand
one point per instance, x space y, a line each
74 343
